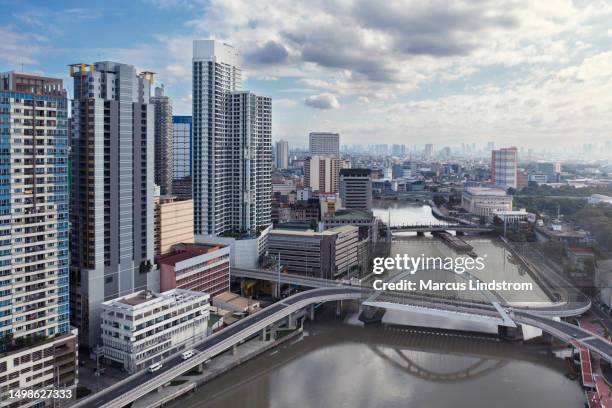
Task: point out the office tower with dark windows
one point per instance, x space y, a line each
356 189
232 145
282 154
324 143
112 192
35 333
182 156
163 141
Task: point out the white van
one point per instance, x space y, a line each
154 367
187 354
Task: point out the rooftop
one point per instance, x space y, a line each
352 215
486 191
143 297
312 233
181 252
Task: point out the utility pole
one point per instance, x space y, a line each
278 268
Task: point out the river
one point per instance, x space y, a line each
342 364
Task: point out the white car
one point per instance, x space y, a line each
187 354
154 367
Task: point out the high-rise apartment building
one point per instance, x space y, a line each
163 141
322 173
35 335
182 156
356 189
112 190
232 145
324 143
504 167
282 154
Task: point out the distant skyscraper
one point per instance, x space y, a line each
182 154
356 189
428 153
112 189
282 154
324 143
34 257
322 173
504 167
399 150
232 145
163 141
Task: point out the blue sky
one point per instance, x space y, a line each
402 71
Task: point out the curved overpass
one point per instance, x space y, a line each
140 384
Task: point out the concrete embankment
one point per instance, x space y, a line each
217 366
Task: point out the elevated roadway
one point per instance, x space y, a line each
138 385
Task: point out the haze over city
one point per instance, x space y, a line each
236 203
516 72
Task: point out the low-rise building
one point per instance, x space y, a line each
512 217
200 267
599 199
235 303
484 202
326 254
145 327
362 219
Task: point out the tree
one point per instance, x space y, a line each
439 200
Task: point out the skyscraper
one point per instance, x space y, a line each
181 152
356 189
163 141
398 150
112 191
504 167
282 154
428 153
324 143
35 335
232 145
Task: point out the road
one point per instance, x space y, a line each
227 335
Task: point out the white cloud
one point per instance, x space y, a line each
284 103
322 101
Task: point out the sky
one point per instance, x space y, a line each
528 73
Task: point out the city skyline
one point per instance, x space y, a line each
528 76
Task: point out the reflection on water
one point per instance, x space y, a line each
345 366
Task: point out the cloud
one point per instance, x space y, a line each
19 48
269 53
322 101
284 103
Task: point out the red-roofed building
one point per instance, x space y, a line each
200 267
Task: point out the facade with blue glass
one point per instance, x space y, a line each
182 155
34 224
